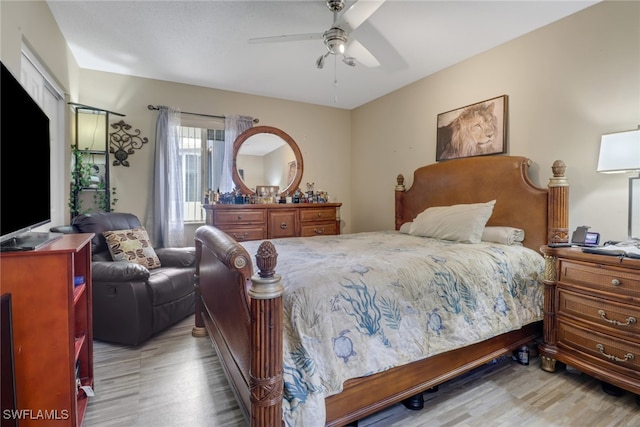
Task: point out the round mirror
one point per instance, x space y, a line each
266 157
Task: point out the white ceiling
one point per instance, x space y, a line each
205 43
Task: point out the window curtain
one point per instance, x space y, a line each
234 125
165 222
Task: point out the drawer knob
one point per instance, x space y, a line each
630 320
319 214
240 236
318 230
239 217
283 225
628 356
615 282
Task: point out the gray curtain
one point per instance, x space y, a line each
165 222
234 125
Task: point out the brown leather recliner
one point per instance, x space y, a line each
130 302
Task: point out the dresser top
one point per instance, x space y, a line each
272 206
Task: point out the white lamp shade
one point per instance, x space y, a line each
620 152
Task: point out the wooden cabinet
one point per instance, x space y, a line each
591 314
272 221
52 329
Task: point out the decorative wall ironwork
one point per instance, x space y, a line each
122 143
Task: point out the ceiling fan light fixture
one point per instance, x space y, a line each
350 61
335 39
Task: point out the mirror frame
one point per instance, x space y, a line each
275 131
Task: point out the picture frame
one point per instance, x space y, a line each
267 190
291 174
478 129
96 175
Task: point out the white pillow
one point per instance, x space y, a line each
405 228
459 223
504 235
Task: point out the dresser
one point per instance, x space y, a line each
591 314
272 221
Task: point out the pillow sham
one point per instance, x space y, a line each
459 223
132 245
505 235
405 228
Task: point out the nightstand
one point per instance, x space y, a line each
591 315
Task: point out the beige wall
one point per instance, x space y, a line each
322 133
567 84
33 23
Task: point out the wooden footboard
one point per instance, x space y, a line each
242 311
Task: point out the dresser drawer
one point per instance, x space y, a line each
601 277
609 352
242 234
282 223
319 229
607 316
239 216
318 214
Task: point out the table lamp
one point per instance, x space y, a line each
620 153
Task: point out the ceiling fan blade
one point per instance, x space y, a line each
357 13
361 54
287 38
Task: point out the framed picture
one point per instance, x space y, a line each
478 129
96 173
267 190
291 174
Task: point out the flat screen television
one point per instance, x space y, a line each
25 167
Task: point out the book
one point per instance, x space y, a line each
629 249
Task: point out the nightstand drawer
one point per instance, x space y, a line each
318 214
239 216
601 277
320 229
611 353
608 316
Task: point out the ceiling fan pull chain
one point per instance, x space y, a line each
335 80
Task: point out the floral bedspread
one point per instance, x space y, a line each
357 304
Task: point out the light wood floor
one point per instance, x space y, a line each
175 380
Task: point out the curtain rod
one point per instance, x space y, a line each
151 107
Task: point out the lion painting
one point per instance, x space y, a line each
474 132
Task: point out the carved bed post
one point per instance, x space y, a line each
558 226
557 232
266 379
399 193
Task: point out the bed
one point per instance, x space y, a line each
251 307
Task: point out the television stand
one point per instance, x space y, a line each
28 241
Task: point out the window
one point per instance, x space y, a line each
201 154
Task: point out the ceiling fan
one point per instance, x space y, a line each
336 38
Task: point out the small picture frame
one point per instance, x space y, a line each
96 174
267 190
478 129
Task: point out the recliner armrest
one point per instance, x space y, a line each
110 271
177 257
65 229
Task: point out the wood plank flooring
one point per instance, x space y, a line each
175 380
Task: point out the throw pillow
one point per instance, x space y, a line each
459 223
132 246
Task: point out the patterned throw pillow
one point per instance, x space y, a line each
132 246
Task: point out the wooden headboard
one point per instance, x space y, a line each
541 212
